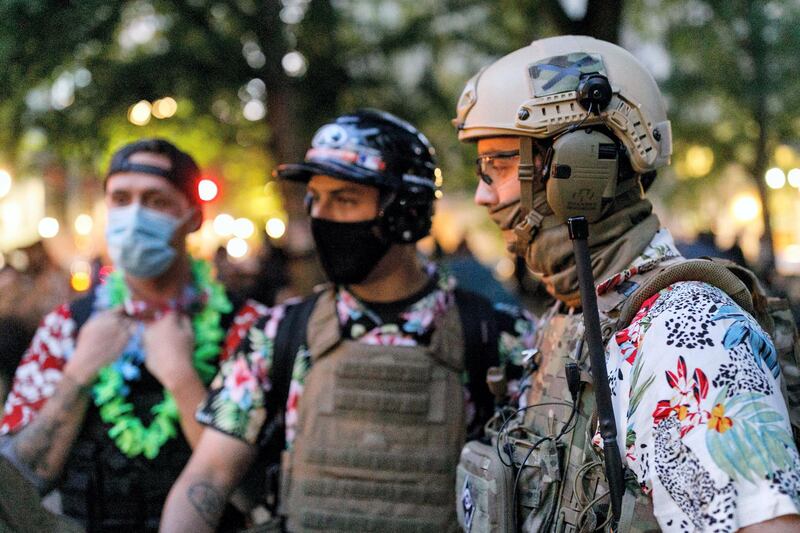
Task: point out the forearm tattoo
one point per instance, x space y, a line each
208 501
34 445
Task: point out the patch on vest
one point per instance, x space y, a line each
626 288
467 504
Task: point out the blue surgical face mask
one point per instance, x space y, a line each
139 238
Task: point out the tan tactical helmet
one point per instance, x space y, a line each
537 91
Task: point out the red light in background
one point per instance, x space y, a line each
207 190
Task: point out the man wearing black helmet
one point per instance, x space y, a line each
370 387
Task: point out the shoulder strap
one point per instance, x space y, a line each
712 272
291 334
479 326
81 310
226 319
480 330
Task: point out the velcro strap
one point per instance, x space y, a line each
525 172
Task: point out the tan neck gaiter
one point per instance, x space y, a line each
614 243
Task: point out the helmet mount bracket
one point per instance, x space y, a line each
594 92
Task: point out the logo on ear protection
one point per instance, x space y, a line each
331 136
584 195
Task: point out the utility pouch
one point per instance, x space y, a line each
484 490
496 497
538 462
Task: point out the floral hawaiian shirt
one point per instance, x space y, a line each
236 402
696 388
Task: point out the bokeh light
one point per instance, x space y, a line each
254 110
237 248
437 174
165 107
505 268
243 228
83 224
19 260
794 178
275 228
775 178
223 224
48 227
79 265
745 208
699 161
80 281
207 190
139 113
784 156
294 64
5 182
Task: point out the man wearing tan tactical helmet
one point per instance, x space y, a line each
697 356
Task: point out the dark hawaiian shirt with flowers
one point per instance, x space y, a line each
236 401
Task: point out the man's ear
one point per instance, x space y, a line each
195 220
188 223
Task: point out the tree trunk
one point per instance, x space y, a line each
296 107
758 52
602 20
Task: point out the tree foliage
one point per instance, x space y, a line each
732 87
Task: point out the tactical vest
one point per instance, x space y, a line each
577 498
563 489
379 432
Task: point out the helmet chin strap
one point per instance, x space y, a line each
534 207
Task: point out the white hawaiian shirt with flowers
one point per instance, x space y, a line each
696 389
236 404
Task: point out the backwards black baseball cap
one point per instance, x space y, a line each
183 172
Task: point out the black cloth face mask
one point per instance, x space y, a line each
348 251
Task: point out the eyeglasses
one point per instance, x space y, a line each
495 164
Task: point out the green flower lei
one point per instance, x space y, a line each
128 432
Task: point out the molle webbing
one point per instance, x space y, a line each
379 433
364 489
582 481
374 461
317 520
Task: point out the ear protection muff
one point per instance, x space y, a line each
582 165
582 170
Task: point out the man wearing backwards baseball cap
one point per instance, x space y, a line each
102 405
361 384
